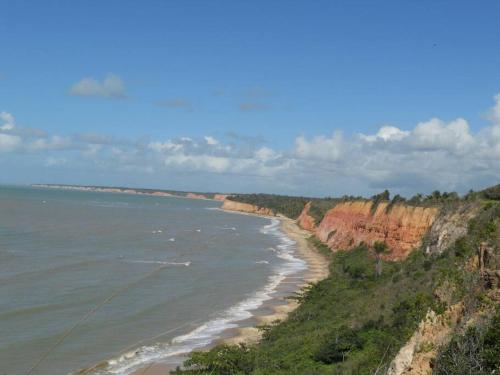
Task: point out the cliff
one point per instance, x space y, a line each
195 196
220 197
246 207
402 227
305 220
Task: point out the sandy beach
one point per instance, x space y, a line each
279 307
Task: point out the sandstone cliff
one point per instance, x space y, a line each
220 197
305 220
195 196
246 207
401 228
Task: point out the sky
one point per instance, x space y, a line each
316 98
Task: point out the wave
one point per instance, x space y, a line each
261 262
187 264
227 228
211 330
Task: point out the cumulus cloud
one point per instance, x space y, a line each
321 148
111 86
434 154
8 121
386 133
9 143
211 141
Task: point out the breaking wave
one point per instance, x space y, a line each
211 330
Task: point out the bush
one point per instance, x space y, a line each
337 347
477 351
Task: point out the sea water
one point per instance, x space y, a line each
126 279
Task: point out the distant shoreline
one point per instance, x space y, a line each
135 191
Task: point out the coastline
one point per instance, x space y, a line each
278 307
317 270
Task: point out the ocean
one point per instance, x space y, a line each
124 279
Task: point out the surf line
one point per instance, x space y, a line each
88 315
135 345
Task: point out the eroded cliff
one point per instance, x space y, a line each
195 196
246 207
401 227
305 220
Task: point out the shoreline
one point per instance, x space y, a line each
317 270
278 307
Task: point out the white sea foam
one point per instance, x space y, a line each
211 330
228 228
172 239
159 262
261 262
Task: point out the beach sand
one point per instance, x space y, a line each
276 309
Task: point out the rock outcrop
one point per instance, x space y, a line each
161 194
246 207
448 227
195 196
220 197
305 220
401 227
434 331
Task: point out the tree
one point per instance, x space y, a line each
380 248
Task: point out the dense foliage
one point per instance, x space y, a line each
476 351
280 204
355 321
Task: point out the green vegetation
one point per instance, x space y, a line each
280 204
477 351
319 207
356 320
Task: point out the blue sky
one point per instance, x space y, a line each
286 92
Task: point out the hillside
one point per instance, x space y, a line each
433 311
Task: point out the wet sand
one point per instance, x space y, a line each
273 310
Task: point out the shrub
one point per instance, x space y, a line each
477 351
337 347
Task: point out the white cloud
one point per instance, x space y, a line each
386 133
166 146
437 135
211 141
198 162
265 154
8 121
111 87
53 143
494 113
321 148
434 154
54 162
9 143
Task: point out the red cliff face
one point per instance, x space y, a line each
220 197
305 220
350 223
195 196
246 207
